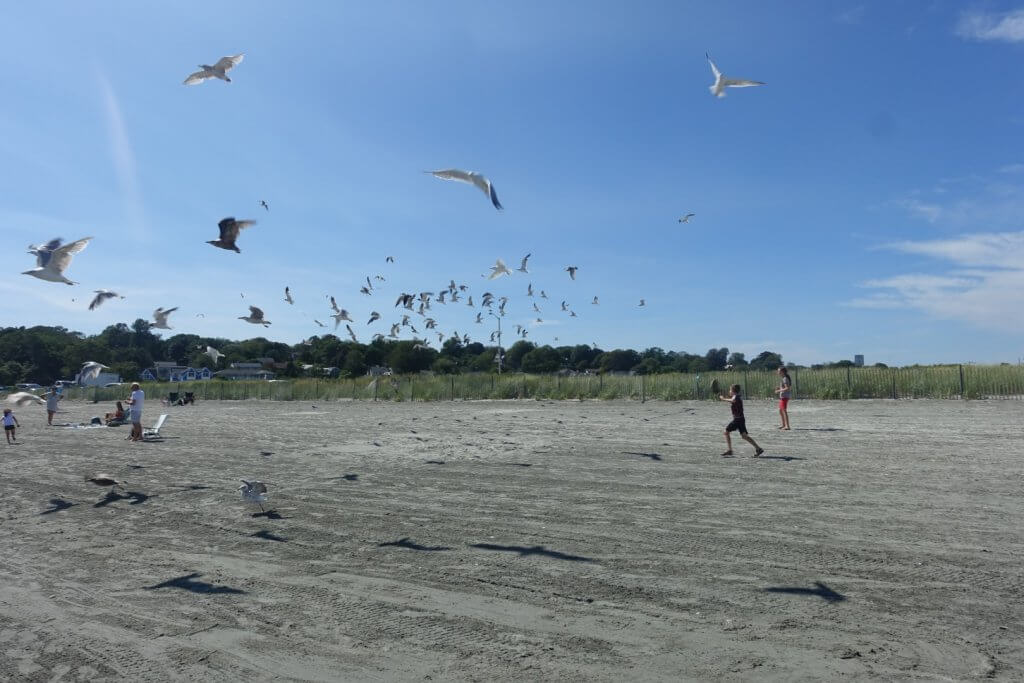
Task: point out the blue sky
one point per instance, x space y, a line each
869 199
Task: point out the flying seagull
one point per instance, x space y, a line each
229 229
374 315
91 369
214 354
288 296
389 259
722 82
351 333
263 203
219 70
472 178
42 252
23 398
595 301
51 263
642 302
319 323
522 266
339 316
160 316
254 492
498 269
255 317
572 271
687 217
101 296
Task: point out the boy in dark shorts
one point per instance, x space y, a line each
738 422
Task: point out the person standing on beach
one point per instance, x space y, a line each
51 404
138 397
10 422
784 391
739 423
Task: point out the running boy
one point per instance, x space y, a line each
10 422
784 391
738 422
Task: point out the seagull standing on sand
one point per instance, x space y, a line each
473 179
288 296
229 229
160 318
254 492
255 317
498 269
101 296
722 82
51 263
219 70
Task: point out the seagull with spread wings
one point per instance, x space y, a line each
498 269
101 296
722 81
229 229
288 296
160 318
91 370
522 266
572 271
471 178
255 317
52 262
219 70
687 217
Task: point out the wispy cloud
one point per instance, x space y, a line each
123 156
987 290
1012 168
852 15
1007 27
929 212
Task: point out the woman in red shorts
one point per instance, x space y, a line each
784 390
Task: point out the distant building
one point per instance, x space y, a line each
245 373
858 360
332 371
378 370
167 371
247 366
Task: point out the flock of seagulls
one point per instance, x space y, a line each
53 258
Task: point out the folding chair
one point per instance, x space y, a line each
153 433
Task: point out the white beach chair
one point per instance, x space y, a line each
153 433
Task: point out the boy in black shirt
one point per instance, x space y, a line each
738 422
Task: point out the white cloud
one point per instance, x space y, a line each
930 212
123 156
989 294
1012 168
1007 27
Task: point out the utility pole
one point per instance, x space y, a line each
500 358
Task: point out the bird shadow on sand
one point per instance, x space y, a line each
350 477
818 429
524 551
269 514
652 456
786 458
135 498
820 590
189 583
264 534
520 464
434 462
412 545
58 505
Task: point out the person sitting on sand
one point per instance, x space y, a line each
116 416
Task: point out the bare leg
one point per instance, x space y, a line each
728 444
757 449
785 418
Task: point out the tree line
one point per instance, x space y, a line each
45 354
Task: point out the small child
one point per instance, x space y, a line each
10 422
738 423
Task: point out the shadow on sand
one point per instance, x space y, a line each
269 514
787 458
652 456
523 551
263 533
411 545
58 505
821 590
189 583
136 498
818 429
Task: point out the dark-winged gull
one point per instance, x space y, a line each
229 229
473 179
101 296
255 317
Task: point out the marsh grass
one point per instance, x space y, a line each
968 381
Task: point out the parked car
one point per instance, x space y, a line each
113 384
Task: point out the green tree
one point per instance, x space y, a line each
541 360
766 360
514 354
737 359
716 358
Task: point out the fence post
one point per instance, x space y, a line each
849 382
745 383
411 377
961 381
893 373
643 390
600 382
796 382
453 387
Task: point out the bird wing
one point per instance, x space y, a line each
739 83
522 266
493 195
198 77
100 296
228 229
60 259
253 311
714 69
229 63
454 174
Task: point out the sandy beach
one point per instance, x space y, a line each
517 540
